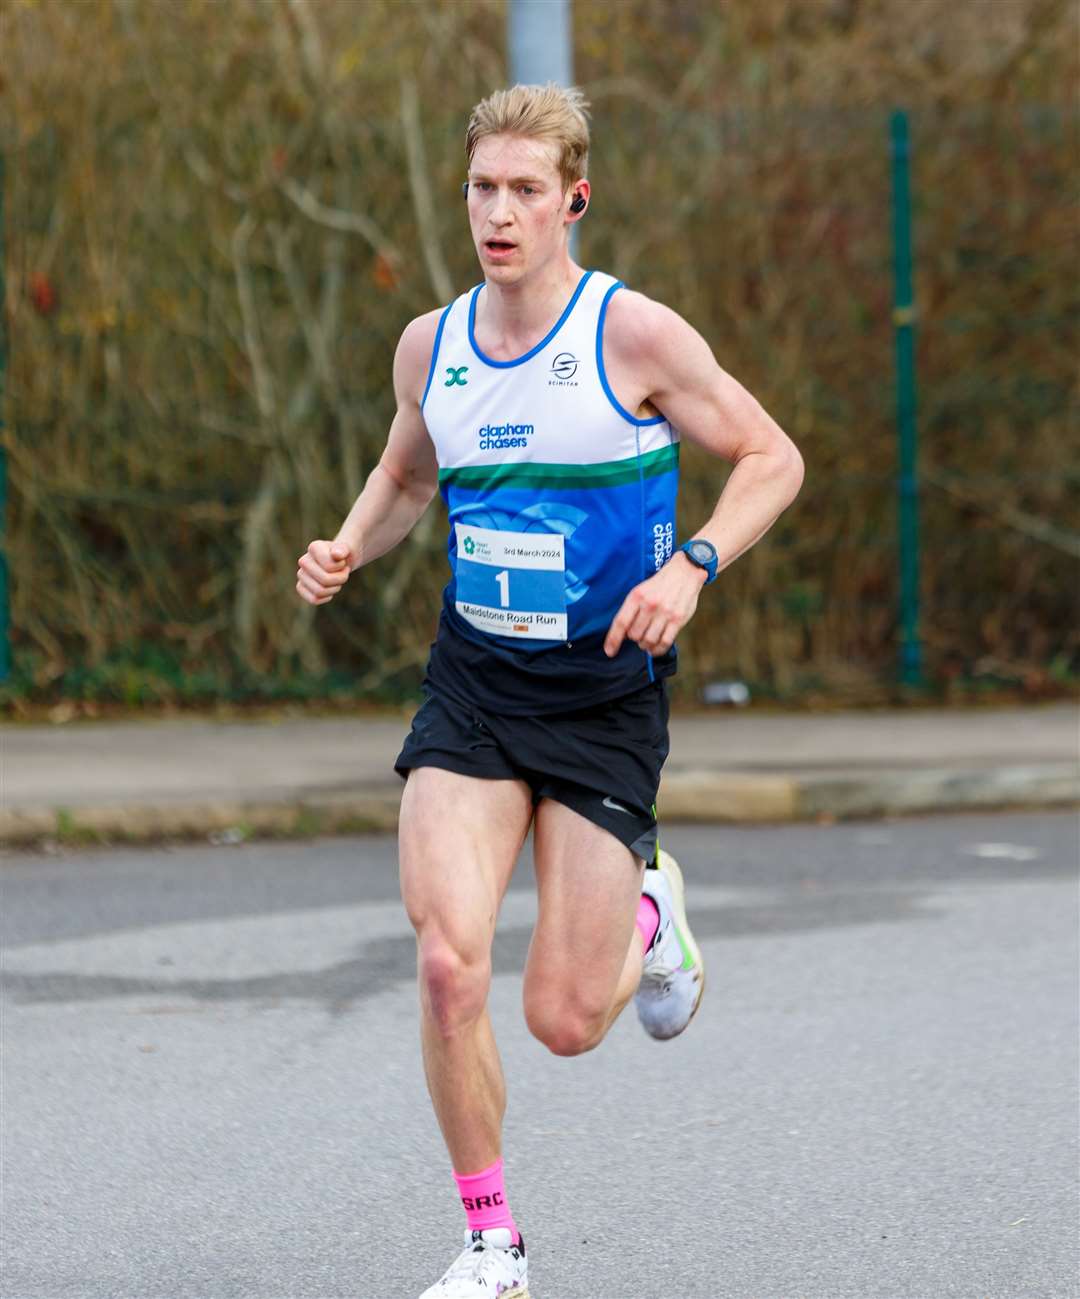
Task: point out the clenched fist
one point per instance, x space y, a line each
322 571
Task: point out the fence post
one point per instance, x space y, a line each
911 673
5 619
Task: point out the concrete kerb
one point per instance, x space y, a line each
229 821
703 797
945 789
712 798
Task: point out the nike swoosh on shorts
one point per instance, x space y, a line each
617 807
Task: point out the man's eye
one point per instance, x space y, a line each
527 189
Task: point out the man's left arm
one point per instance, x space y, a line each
712 409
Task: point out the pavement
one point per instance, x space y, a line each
213 1082
232 780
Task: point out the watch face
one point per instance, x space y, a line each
701 552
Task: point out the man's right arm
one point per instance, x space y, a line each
398 490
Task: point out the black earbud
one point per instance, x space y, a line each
465 191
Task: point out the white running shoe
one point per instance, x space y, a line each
673 977
489 1267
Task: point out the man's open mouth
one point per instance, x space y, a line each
499 245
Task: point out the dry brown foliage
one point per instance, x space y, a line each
220 217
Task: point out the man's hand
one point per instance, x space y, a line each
322 571
656 610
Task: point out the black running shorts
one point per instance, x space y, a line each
602 761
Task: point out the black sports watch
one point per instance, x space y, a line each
703 553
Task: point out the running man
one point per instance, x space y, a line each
546 405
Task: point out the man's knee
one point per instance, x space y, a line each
568 1027
453 984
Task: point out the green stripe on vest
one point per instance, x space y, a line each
612 473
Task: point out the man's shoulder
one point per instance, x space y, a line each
412 359
418 336
636 325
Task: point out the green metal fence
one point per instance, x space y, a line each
5 614
908 482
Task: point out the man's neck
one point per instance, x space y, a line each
515 317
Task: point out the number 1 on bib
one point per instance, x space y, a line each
484 559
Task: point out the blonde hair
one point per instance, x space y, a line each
551 113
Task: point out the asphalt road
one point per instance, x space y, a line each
212 1085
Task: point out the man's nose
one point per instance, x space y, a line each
500 208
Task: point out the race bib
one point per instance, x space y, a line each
512 583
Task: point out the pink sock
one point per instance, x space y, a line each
484 1199
648 920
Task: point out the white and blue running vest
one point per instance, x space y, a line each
559 499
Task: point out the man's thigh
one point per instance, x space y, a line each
589 885
459 837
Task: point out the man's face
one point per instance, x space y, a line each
517 205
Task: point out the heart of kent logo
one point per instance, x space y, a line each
470 545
